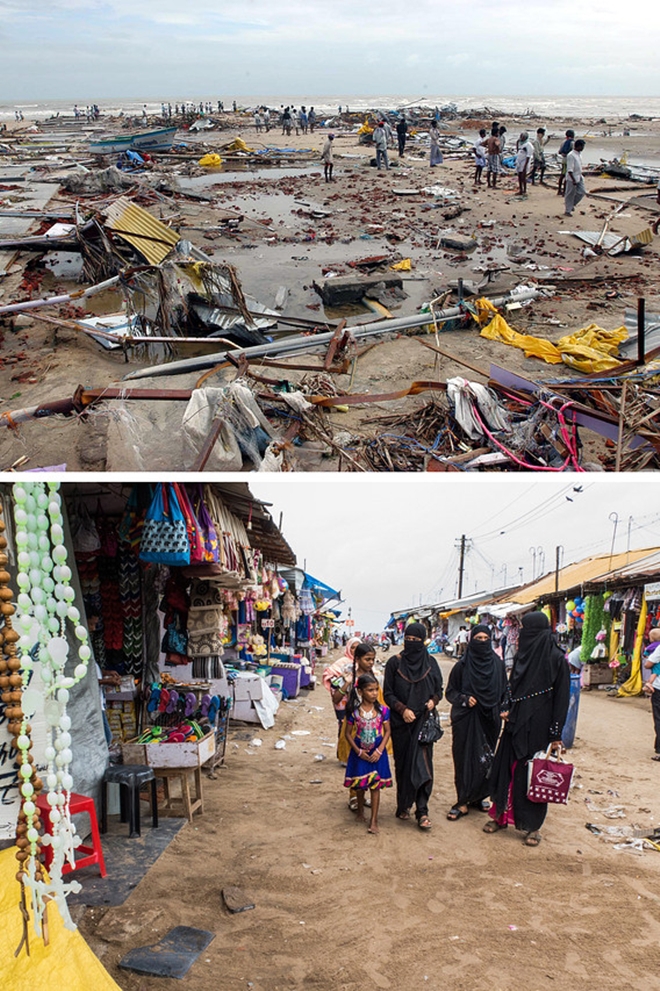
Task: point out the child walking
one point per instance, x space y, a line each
367 731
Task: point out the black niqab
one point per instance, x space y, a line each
414 658
485 671
538 658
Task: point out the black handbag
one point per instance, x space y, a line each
431 730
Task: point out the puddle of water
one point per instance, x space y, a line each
266 174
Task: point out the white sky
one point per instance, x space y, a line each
96 49
386 540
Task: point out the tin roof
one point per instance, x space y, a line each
145 233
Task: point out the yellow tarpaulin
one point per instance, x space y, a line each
634 684
210 160
237 145
365 128
590 349
67 961
405 265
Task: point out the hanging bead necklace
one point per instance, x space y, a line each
44 604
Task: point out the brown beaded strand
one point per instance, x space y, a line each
10 695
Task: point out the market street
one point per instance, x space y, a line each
339 909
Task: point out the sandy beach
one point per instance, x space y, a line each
298 232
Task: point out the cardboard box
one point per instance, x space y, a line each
170 754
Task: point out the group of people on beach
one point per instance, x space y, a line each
529 161
498 724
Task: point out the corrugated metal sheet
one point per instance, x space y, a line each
149 236
647 565
578 574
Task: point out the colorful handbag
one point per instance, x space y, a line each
207 527
195 538
548 779
165 535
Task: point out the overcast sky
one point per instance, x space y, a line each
387 540
95 49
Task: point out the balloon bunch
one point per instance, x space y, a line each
575 609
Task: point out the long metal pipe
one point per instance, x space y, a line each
33 304
300 343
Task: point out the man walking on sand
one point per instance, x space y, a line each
575 190
402 134
326 158
380 143
523 158
493 147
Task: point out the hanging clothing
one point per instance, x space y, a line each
479 674
412 678
540 688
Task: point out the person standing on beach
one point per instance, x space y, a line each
493 147
436 154
311 119
144 112
380 143
402 134
538 164
562 154
575 190
326 158
523 158
502 136
479 153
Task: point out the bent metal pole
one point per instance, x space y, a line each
300 343
33 304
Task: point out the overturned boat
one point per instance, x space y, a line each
160 140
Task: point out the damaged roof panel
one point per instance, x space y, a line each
145 233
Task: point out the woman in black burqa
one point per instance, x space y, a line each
478 692
540 688
412 688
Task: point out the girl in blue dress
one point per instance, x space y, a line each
367 732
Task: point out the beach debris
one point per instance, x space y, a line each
614 244
236 900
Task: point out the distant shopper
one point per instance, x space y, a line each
540 688
562 154
524 156
435 135
479 152
461 641
575 190
380 144
326 158
478 692
402 135
538 163
652 686
493 147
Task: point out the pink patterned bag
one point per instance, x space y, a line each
548 779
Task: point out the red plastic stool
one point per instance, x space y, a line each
91 854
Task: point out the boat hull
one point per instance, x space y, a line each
147 141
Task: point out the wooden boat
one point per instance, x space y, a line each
160 140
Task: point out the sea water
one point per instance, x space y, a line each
609 108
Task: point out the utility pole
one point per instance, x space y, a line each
558 550
461 566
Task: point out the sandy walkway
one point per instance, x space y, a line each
339 910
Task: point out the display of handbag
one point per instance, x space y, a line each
431 730
195 538
548 778
165 534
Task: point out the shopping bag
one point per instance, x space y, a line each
165 535
548 778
